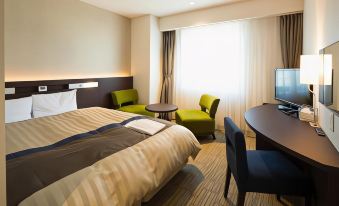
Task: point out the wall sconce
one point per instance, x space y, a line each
83 85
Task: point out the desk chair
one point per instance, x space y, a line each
261 171
127 101
200 122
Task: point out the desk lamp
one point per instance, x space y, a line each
310 67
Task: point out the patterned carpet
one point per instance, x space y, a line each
201 181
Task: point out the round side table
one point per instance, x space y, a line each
162 109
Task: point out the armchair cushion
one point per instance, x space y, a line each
136 109
199 122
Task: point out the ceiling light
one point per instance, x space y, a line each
192 3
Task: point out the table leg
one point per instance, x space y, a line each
164 116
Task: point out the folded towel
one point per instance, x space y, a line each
146 126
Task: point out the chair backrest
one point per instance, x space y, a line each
209 104
124 97
236 151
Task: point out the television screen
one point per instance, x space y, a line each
288 88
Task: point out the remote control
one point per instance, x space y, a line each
319 131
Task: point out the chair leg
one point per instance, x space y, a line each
278 197
241 198
228 180
213 136
308 200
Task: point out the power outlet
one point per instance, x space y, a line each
332 122
42 89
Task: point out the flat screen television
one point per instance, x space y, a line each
289 90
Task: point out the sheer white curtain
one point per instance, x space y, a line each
234 61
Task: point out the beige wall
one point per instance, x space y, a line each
320 26
236 11
58 39
145 58
321 20
155 66
2 124
140 59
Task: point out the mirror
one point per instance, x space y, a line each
329 77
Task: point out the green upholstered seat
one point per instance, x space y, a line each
200 122
137 109
127 101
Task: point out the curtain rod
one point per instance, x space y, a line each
296 12
249 18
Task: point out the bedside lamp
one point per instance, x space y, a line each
310 67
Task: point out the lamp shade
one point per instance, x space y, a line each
310 66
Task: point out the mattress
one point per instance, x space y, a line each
88 157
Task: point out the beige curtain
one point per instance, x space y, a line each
168 45
235 62
291 37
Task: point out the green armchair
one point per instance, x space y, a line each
127 101
200 122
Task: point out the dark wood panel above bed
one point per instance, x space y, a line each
86 97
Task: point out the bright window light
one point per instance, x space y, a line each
210 59
234 61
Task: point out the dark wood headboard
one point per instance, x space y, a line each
86 97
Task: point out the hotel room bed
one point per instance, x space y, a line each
88 157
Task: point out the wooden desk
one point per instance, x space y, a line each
299 141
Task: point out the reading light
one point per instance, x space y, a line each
192 3
83 85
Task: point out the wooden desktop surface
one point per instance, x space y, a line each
293 136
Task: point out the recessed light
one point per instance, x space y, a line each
192 3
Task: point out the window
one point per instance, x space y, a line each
234 61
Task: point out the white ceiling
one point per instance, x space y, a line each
135 8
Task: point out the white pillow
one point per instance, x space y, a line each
18 109
55 103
